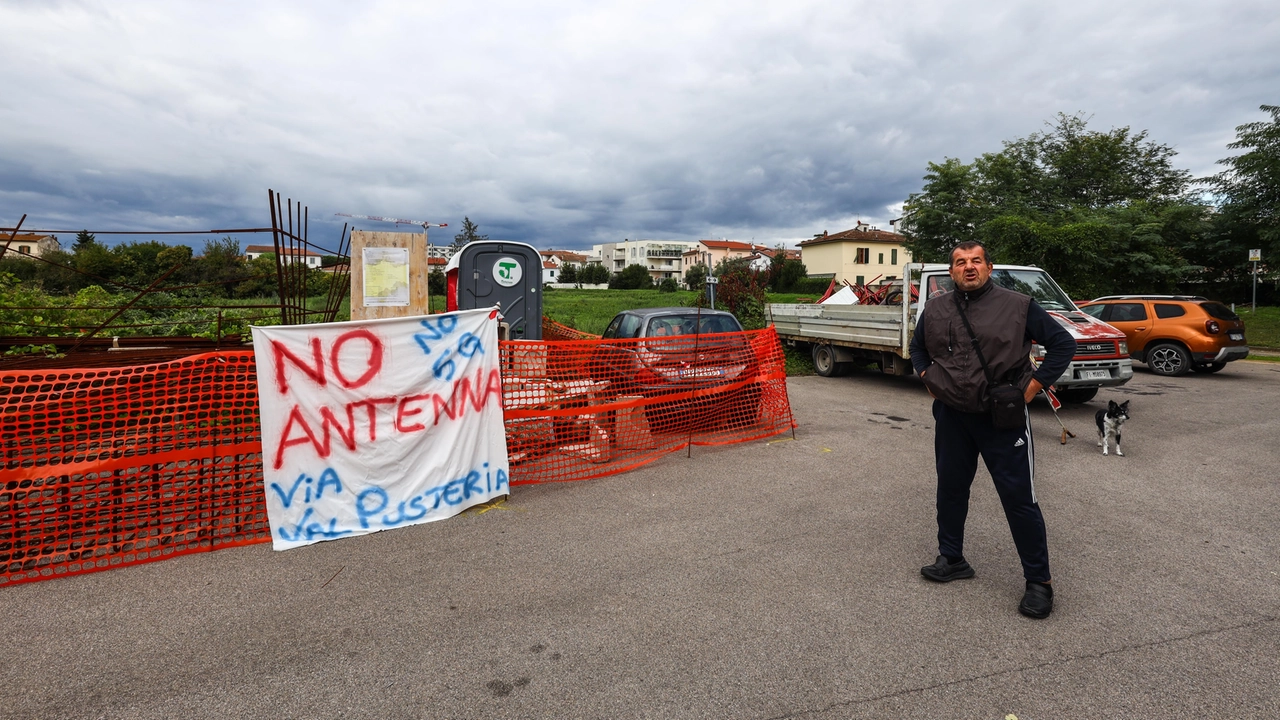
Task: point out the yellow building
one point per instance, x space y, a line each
860 255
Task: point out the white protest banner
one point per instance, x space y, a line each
378 424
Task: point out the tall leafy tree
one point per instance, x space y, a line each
1101 211
1249 187
593 274
84 237
222 263
696 276
569 273
469 233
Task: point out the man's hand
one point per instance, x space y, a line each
926 387
1033 388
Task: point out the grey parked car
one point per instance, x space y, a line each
687 354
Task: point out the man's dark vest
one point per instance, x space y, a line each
999 319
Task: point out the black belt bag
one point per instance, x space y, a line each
1008 404
1008 408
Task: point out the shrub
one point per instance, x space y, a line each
741 291
633 277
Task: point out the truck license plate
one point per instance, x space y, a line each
701 372
1236 336
1095 374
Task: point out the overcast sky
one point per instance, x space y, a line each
564 124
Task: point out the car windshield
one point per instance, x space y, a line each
1035 283
690 324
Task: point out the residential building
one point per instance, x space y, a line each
861 255
441 252
663 258
553 262
27 245
762 259
253 252
713 252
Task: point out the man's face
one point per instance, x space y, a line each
970 269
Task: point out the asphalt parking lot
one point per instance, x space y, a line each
769 580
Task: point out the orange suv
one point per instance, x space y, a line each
1174 333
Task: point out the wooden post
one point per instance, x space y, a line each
418 271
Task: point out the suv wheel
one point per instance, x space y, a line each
824 362
1169 360
1076 395
1209 367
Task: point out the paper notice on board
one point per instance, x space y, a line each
386 276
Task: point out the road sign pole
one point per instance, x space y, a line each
1255 256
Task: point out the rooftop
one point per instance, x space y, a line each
861 233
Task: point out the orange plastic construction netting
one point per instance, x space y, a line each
580 409
552 330
109 467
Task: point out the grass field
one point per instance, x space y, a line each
591 310
1261 329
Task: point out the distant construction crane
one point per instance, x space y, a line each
399 221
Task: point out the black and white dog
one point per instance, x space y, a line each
1109 422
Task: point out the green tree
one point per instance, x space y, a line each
784 273
569 273
84 237
741 291
259 278
468 234
1250 186
223 264
593 274
436 282
1101 211
97 260
633 277
695 277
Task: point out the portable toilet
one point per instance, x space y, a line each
496 272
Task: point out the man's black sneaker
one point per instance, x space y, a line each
943 571
1038 600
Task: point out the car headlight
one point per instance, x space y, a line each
1124 348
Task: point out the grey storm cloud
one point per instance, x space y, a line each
564 124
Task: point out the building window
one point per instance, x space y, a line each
893 256
858 280
864 256
24 249
880 259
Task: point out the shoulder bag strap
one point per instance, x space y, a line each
974 339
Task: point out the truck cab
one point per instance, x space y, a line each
839 335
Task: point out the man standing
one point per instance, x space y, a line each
1004 324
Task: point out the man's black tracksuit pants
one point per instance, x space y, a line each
959 439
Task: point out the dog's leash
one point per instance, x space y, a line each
1053 405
